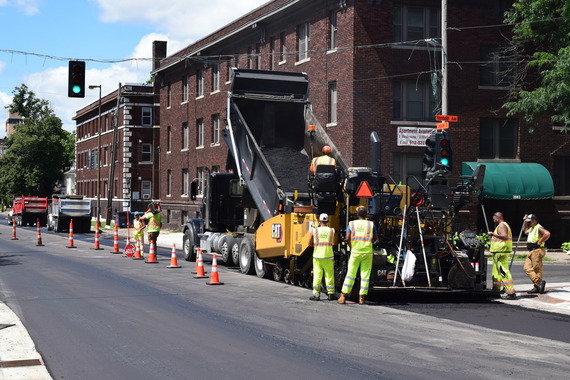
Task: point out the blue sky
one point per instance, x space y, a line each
41 35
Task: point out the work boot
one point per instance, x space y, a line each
315 298
341 299
361 299
332 297
541 287
533 290
512 296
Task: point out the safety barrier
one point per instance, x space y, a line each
70 243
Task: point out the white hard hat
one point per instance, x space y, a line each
324 217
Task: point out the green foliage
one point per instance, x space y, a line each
38 151
541 36
566 246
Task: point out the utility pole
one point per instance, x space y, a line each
113 157
444 109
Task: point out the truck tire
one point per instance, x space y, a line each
188 246
235 251
225 245
260 266
246 256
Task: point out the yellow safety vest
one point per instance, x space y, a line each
154 221
533 234
323 242
361 234
322 160
498 245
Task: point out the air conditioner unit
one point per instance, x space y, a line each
146 196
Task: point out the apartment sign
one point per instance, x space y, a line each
413 136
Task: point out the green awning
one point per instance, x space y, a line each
513 180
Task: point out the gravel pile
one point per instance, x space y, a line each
291 167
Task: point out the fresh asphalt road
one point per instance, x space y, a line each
95 315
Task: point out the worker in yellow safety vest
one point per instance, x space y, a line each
323 258
537 235
501 247
154 222
360 235
325 159
139 226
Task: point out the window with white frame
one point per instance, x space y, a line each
333 103
146 189
414 101
282 47
215 77
169 96
185 136
146 152
498 138
200 181
168 139
184 89
185 182
333 30
258 56
303 32
199 83
169 183
200 133
146 119
272 53
412 23
215 129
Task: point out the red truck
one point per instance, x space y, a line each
28 209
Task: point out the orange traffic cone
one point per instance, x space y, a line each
39 243
14 229
173 259
200 266
151 255
97 246
70 243
214 278
116 239
138 255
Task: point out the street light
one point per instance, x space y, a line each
91 87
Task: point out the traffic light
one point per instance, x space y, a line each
76 82
429 154
443 151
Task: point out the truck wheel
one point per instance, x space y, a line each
225 244
260 266
188 246
235 251
246 256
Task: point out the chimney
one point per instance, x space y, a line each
158 53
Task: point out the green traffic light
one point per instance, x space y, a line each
76 89
444 161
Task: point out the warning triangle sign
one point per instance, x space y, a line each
364 190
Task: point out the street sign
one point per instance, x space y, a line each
441 126
129 250
450 118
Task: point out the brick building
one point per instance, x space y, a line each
133 179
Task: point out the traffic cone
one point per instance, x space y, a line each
116 239
151 255
39 243
97 246
173 259
70 243
138 255
200 273
214 278
14 229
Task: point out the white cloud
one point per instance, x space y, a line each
29 7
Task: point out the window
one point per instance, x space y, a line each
185 136
303 34
249 58
168 96
200 179
146 119
215 129
146 189
406 165
272 53
283 48
333 102
168 183
497 138
200 133
414 101
258 56
215 77
416 23
146 152
333 30
168 138
106 156
185 183
496 70
199 83
184 89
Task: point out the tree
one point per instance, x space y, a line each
38 151
542 86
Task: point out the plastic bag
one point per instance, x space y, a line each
409 266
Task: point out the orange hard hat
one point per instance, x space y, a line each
327 149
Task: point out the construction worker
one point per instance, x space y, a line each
501 247
323 258
154 222
325 159
360 235
537 235
139 226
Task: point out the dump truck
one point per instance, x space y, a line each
27 209
65 208
260 213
